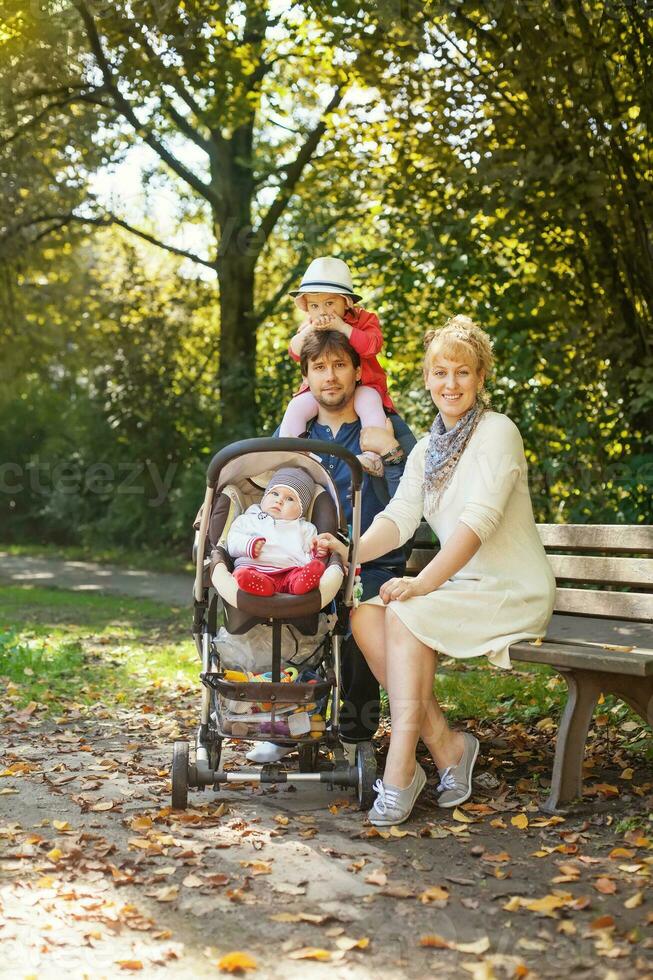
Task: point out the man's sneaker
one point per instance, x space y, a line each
394 805
456 781
268 752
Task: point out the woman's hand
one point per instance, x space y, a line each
399 589
318 548
330 543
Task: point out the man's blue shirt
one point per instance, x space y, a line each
348 435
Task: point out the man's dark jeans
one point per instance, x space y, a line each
359 717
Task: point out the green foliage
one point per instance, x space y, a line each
491 159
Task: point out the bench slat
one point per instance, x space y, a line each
598 537
577 630
419 559
619 538
613 571
620 605
635 663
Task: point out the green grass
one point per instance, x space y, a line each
143 559
473 689
67 651
63 649
476 690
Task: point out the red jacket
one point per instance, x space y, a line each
367 340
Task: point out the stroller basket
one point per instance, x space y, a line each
263 709
261 691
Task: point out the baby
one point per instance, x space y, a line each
274 547
327 297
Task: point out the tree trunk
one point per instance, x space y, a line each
237 370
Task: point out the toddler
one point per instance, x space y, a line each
327 297
274 547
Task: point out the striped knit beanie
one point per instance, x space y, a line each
298 480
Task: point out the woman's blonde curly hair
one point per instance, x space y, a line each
460 339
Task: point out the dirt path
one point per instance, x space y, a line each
88 576
100 878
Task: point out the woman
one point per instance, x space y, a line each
489 586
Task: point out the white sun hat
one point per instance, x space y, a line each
327 275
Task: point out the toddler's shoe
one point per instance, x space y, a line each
256 583
307 578
394 805
456 781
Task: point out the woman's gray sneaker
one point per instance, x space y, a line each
456 781
394 805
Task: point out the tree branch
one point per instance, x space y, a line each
125 109
175 82
295 169
269 307
104 221
57 104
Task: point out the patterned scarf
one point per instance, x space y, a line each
444 451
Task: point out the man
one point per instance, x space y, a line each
331 367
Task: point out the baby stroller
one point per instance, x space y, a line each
304 713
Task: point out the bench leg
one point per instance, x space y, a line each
584 688
637 692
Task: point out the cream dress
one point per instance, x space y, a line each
505 592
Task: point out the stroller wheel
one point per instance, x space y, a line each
180 776
366 767
308 757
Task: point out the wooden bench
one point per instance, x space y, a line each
600 637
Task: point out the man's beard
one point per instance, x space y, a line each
335 399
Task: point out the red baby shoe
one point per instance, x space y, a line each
256 583
306 579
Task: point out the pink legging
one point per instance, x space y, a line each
303 407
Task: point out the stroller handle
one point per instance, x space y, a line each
283 444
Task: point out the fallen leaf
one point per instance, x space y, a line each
237 963
603 922
397 832
480 946
344 942
398 891
434 942
621 852
310 953
547 905
434 894
141 823
193 881
258 867
167 893
377 878
102 806
129 964
461 817
606 886
520 821
634 901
